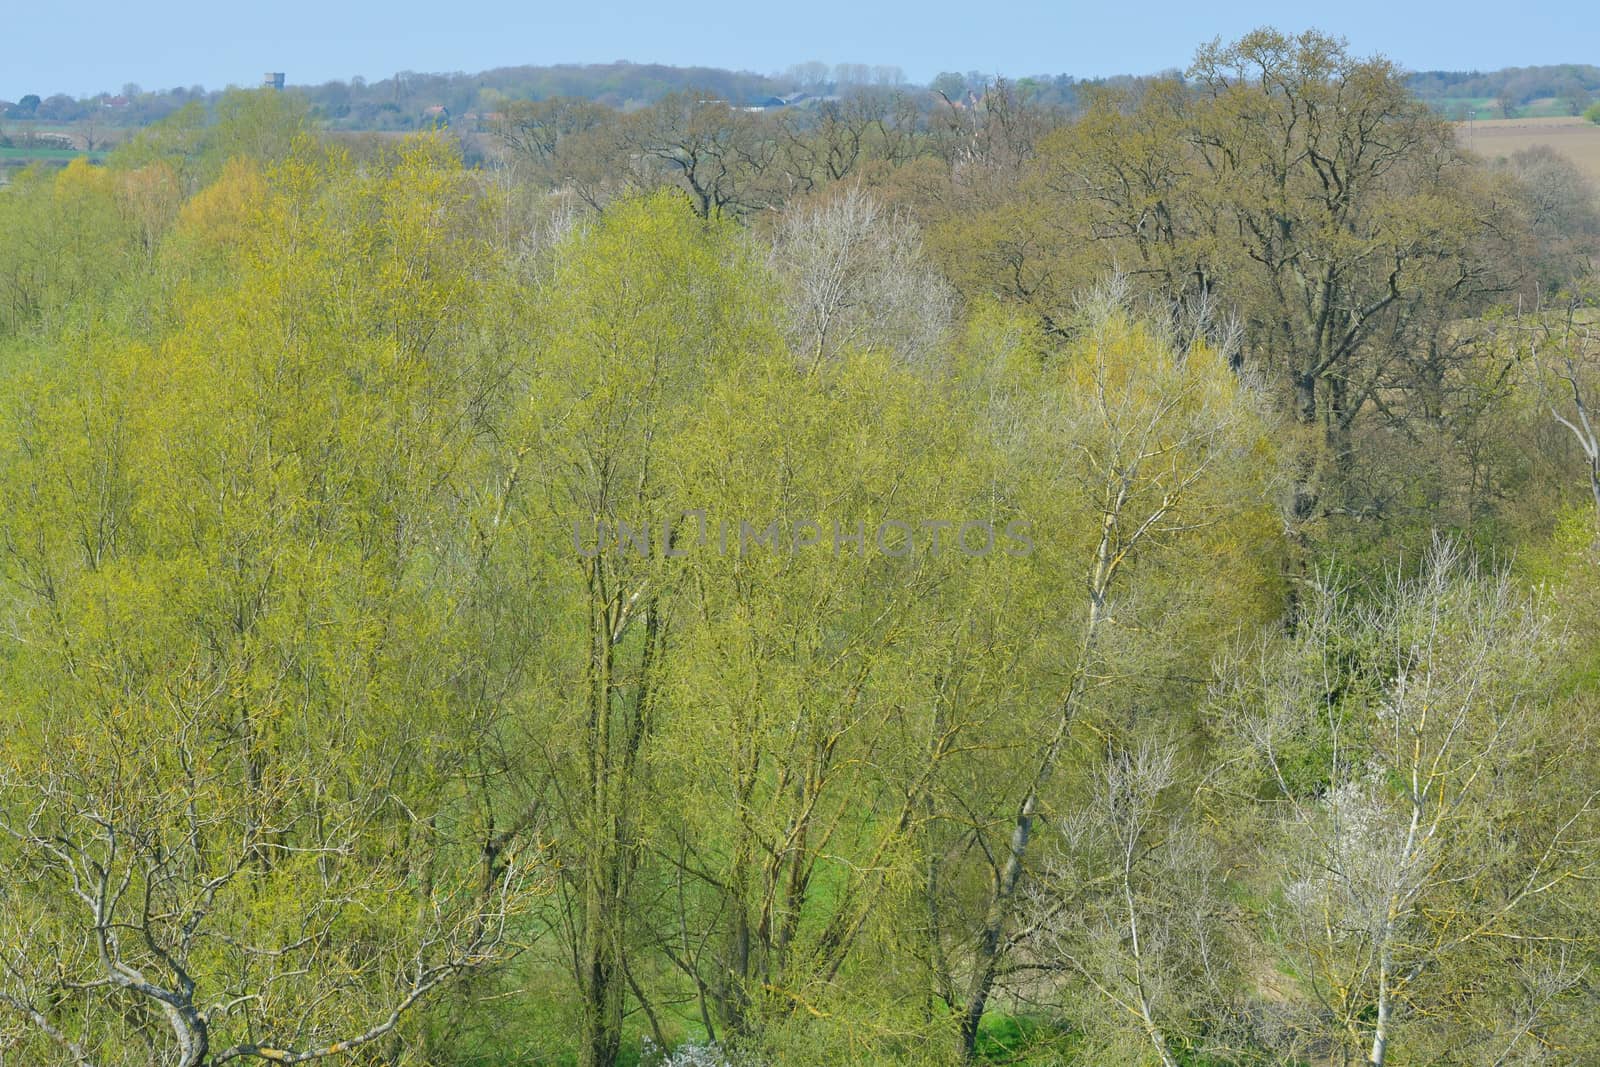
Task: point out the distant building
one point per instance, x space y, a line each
272 80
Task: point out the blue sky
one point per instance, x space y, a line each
90 45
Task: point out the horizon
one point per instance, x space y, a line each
115 46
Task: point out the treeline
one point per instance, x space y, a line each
412 101
890 585
402 101
1572 84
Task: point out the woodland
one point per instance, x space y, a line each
1158 624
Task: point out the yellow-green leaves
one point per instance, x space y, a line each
242 655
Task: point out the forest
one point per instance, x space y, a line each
1008 580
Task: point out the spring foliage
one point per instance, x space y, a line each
442 626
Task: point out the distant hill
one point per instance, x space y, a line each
410 100
400 101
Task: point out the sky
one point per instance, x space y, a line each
90 46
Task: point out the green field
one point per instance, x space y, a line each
1484 107
23 156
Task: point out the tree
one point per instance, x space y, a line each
68 245
1311 191
950 85
839 138
726 586
806 670
1151 427
564 141
645 313
258 124
60 108
995 134
811 76
856 279
720 157
1132 904
234 824
1396 738
1561 348
255 124
1562 208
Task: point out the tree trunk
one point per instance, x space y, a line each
601 1035
1380 1030
600 975
987 955
1305 467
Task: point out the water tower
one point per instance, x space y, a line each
272 80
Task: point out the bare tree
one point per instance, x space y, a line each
837 138
856 277
1574 372
1562 348
194 922
718 155
1385 885
1131 906
571 145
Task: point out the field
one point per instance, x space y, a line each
20 153
13 160
1577 139
30 155
1487 107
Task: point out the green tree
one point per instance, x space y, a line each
1136 445
67 245
644 313
240 814
1307 189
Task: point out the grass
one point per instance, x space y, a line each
101 134
1481 108
1022 1039
48 154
